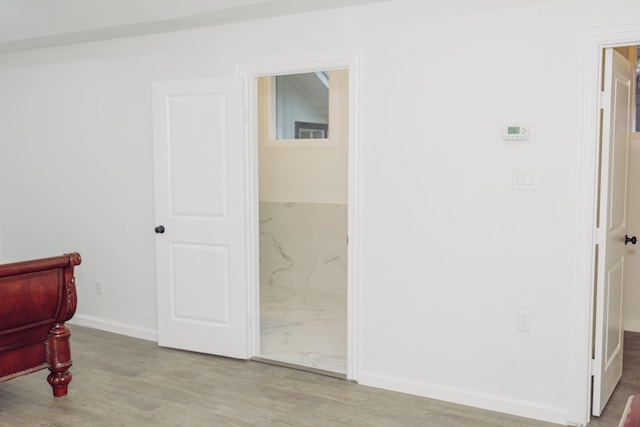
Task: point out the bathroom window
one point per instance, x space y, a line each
303 110
302 106
298 110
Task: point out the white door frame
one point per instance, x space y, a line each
250 73
584 288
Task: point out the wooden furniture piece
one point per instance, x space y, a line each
631 415
36 298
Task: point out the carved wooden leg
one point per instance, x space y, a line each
59 355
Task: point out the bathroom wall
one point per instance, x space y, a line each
303 246
303 209
305 173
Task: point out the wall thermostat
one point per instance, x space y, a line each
515 132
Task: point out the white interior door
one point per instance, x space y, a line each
200 202
616 128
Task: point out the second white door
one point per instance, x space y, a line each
612 228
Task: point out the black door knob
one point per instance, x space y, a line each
160 229
628 239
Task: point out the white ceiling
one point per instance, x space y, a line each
28 24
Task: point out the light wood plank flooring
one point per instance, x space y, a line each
123 381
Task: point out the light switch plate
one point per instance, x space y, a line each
524 179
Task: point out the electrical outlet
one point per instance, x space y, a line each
99 287
525 321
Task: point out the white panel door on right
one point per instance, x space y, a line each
616 132
200 207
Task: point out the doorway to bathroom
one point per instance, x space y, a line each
303 183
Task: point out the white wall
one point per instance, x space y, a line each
449 253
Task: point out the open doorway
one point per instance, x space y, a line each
582 370
628 385
616 257
303 183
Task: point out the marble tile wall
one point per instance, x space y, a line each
303 246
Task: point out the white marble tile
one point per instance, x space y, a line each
305 329
304 246
303 284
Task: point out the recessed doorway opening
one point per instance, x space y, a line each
303 183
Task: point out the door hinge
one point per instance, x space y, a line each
602 100
598 236
592 367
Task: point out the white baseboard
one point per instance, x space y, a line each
491 402
116 328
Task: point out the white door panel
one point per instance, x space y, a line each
616 128
197 153
199 178
205 268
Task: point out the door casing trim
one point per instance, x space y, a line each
249 74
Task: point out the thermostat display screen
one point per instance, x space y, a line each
513 130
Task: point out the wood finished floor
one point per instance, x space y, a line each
122 381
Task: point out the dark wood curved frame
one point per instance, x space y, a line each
36 298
